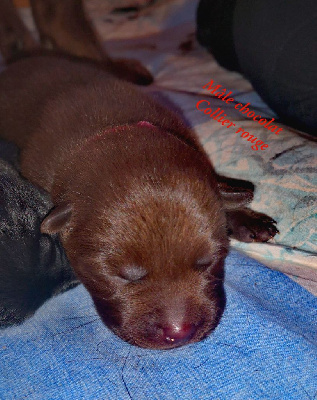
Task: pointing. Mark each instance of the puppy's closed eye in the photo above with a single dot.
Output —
(132, 273)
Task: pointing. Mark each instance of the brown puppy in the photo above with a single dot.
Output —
(137, 203)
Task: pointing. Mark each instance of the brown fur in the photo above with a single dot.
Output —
(137, 207)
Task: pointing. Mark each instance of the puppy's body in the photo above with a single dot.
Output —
(137, 205)
(78, 100)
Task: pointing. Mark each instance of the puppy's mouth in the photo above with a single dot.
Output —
(170, 338)
(164, 337)
(160, 328)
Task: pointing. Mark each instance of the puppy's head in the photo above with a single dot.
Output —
(150, 245)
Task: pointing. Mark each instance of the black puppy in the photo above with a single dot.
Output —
(33, 266)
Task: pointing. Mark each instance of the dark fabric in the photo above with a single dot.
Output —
(215, 30)
(33, 267)
(274, 45)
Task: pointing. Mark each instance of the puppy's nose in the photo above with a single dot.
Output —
(178, 333)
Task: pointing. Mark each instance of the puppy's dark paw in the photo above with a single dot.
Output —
(250, 226)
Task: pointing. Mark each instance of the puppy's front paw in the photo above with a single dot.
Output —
(250, 226)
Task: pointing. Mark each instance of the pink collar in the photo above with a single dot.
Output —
(98, 136)
(146, 124)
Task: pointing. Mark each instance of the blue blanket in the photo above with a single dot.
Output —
(264, 348)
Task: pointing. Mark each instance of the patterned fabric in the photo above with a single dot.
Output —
(265, 347)
(162, 37)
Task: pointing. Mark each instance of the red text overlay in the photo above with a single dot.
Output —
(219, 115)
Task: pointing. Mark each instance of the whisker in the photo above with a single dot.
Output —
(72, 329)
(79, 316)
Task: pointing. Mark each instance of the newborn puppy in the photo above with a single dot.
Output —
(137, 204)
(33, 266)
(140, 211)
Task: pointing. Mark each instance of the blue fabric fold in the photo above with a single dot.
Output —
(265, 347)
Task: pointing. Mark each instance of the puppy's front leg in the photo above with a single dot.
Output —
(243, 223)
(63, 25)
(14, 36)
(235, 193)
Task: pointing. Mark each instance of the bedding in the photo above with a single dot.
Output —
(162, 37)
(265, 347)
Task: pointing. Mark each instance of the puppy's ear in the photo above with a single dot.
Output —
(57, 219)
